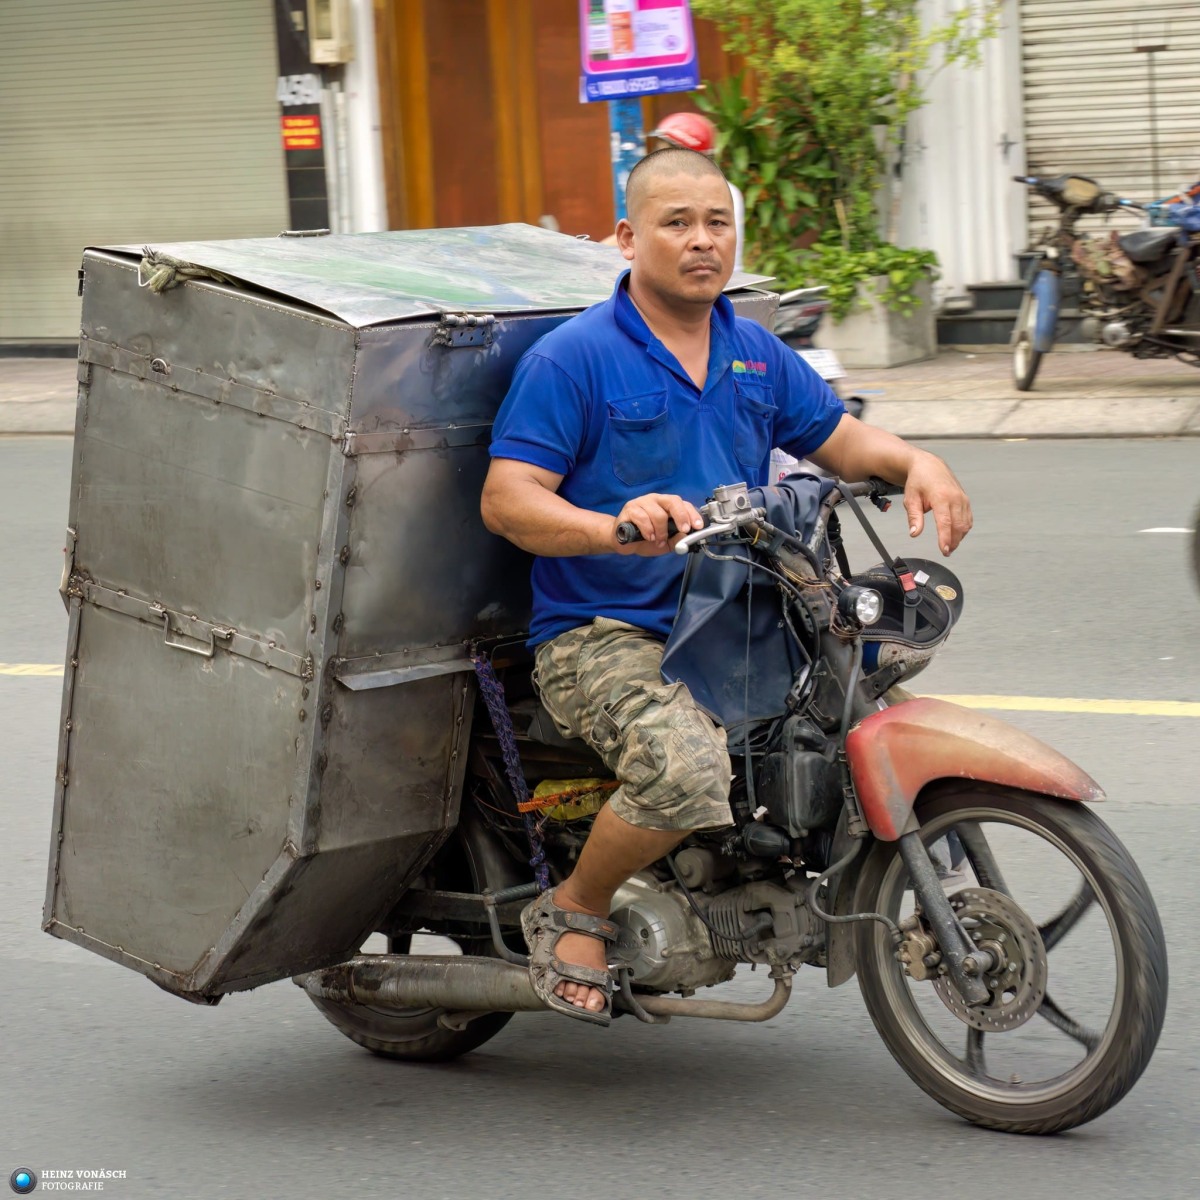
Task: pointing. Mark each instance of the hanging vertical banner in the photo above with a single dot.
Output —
(636, 48)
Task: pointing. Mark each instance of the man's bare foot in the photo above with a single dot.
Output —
(582, 951)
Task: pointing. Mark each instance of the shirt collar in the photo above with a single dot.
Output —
(631, 322)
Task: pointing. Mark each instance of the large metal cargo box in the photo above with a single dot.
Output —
(275, 570)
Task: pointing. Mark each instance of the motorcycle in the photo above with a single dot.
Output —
(1196, 548)
(845, 792)
(1138, 292)
(797, 320)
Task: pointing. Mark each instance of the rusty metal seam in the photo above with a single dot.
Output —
(152, 613)
(429, 437)
(200, 385)
(241, 295)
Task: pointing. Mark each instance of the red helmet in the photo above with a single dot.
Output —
(689, 130)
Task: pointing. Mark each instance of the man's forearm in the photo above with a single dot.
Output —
(857, 452)
(542, 522)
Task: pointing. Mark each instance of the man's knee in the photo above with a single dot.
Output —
(673, 766)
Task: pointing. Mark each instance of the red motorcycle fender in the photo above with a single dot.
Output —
(896, 752)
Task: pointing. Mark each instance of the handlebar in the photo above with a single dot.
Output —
(628, 532)
(730, 512)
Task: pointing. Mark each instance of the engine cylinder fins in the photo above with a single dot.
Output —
(738, 939)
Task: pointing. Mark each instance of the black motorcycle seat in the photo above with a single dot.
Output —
(1147, 245)
(541, 728)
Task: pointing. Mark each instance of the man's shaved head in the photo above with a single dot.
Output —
(674, 160)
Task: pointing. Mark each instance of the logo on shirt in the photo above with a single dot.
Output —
(757, 370)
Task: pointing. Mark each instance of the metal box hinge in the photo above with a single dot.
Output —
(464, 329)
(66, 587)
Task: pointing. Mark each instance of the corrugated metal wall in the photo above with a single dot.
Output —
(955, 191)
(1087, 95)
(127, 121)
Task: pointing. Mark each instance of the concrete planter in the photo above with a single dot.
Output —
(877, 337)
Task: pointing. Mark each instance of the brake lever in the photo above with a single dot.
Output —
(684, 545)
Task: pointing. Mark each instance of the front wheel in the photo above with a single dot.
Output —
(1196, 549)
(1026, 360)
(1078, 980)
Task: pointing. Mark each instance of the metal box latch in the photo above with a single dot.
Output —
(207, 639)
(464, 329)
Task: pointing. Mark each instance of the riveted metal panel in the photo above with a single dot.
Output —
(176, 793)
(208, 510)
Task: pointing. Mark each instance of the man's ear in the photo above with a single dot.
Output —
(625, 239)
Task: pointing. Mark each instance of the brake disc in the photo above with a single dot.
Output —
(1017, 980)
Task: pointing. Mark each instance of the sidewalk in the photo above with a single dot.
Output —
(1086, 393)
(1077, 393)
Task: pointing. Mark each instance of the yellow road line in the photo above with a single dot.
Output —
(1052, 704)
(1120, 708)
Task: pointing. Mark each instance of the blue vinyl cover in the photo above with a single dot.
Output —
(707, 647)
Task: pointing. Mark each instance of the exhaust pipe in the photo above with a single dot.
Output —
(459, 983)
(467, 984)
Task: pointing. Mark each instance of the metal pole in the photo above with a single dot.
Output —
(628, 145)
(1146, 42)
(1153, 124)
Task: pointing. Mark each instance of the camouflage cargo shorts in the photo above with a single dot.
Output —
(601, 682)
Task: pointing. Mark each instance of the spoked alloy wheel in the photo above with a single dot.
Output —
(1079, 988)
(1026, 360)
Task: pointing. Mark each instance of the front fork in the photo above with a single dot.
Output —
(965, 962)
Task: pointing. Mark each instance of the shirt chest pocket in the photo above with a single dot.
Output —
(643, 438)
(753, 422)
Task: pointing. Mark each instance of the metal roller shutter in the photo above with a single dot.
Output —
(1087, 96)
(128, 121)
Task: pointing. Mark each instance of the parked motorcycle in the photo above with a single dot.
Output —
(1139, 292)
(797, 320)
(1028, 1000)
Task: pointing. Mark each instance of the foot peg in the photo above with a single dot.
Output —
(524, 891)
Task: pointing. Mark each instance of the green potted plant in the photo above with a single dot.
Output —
(834, 84)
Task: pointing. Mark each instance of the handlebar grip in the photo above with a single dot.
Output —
(628, 532)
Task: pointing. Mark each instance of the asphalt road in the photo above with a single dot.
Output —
(1065, 598)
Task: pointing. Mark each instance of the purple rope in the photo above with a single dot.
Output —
(493, 696)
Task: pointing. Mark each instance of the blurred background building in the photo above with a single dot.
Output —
(132, 121)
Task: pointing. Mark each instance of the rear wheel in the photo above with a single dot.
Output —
(1026, 360)
(1079, 981)
(468, 863)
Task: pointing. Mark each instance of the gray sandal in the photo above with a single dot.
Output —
(543, 923)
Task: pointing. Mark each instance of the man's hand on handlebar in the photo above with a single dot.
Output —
(660, 519)
(931, 487)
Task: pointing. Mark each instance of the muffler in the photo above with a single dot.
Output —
(460, 983)
(467, 984)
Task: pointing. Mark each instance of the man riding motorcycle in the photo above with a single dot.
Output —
(630, 412)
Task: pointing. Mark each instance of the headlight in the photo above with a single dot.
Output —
(862, 605)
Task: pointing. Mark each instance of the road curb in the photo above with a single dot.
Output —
(38, 417)
(1037, 417)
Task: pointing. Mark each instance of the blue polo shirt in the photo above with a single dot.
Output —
(602, 402)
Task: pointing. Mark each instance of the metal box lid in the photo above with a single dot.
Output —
(375, 278)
